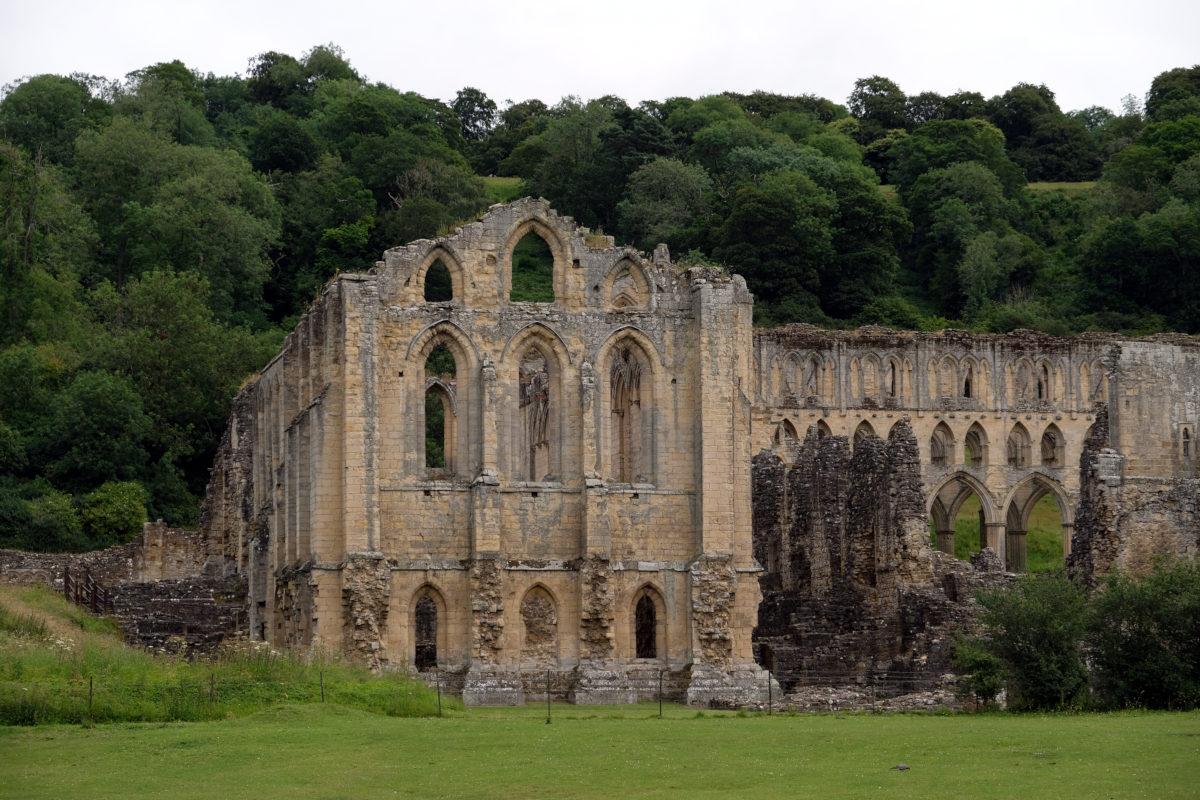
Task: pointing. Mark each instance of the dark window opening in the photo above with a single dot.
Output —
(438, 287)
(425, 657)
(645, 623)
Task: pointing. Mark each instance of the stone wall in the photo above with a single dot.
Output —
(852, 591)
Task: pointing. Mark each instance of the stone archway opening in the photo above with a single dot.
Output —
(1037, 538)
(438, 286)
(956, 523)
(440, 416)
(532, 270)
(425, 619)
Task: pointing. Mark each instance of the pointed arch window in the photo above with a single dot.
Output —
(630, 442)
(425, 625)
(646, 628)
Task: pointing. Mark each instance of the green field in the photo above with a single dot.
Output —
(503, 190)
(1043, 541)
(330, 752)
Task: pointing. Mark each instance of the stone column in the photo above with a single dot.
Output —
(1068, 530)
(945, 541)
(1014, 560)
(994, 538)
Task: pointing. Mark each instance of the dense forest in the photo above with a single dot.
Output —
(162, 232)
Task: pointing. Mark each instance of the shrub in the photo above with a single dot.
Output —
(1036, 629)
(1144, 638)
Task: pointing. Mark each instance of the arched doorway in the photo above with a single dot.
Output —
(1038, 526)
(958, 517)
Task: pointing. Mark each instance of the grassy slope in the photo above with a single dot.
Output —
(74, 668)
(331, 752)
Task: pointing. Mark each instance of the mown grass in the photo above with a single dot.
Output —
(316, 751)
(503, 190)
(1043, 541)
(69, 667)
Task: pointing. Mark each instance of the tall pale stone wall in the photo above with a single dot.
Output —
(586, 517)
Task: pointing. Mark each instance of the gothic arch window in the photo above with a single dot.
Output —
(870, 379)
(947, 378)
(823, 429)
(538, 455)
(812, 380)
(439, 288)
(1052, 446)
(968, 381)
(891, 379)
(941, 446)
(1025, 383)
(631, 432)
(441, 417)
(532, 270)
(863, 430)
(539, 615)
(425, 632)
(785, 434)
(974, 446)
(649, 639)
(1017, 447)
(1043, 382)
(627, 286)
(1185, 438)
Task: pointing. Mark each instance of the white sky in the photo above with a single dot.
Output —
(1088, 52)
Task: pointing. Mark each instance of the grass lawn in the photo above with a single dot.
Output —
(327, 752)
(503, 190)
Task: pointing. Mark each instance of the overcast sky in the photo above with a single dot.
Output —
(1088, 53)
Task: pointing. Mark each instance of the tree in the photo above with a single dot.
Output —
(941, 143)
(476, 111)
(98, 432)
(666, 201)
(114, 513)
(778, 234)
(1144, 638)
(282, 143)
(45, 243)
(1036, 628)
(45, 114)
(1173, 94)
(169, 98)
(878, 105)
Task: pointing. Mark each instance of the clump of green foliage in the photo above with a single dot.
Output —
(1134, 641)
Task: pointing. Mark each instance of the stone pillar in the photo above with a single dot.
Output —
(1014, 560)
(945, 541)
(1068, 530)
(995, 539)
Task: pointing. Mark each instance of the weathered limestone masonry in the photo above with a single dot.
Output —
(1103, 424)
(591, 516)
(160, 592)
(1003, 417)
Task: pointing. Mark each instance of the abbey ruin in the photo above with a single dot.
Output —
(628, 480)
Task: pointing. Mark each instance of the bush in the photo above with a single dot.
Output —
(1144, 638)
(114, 513)
(1036, 629)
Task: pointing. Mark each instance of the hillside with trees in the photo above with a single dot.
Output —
(161, 233)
